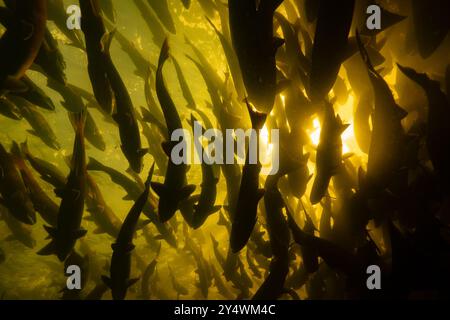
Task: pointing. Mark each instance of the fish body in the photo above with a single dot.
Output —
(42, 203)
(119, 280)
(13, 190)
(329, 153)
(19, 231)
(94, 29)
(244, 218)
(251, 25)
(175, 188)
(22, 40)
(68, 229)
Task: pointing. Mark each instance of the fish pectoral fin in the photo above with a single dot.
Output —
(132, 281)
(98, 231)
(167, 147)
(48, 249)
(128, 197)
(59, 192)
(107, 281)
(32, 132)
(142, 152)
(186, 191)
(79, 233)
(52, 232)
(106, 41)
(214, 210)
(14, 85)
(159, 188)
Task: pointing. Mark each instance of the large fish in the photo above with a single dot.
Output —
(40, 127)
(200, 207)
(42, 203)
(388, 137)
(13, 190)
(244, 218)
(124, 113)
(438, 131)
(175, 188)
(329, 153)
(330, 45)
(68, 229)
(251, 25)
(92, 132)
(120, 268)
(94, 30)
(21, 42)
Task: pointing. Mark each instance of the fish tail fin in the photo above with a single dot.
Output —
(107, 40)
(319, 188)
(94, 165)
(150, 176)
(257, 118)
(164, 54)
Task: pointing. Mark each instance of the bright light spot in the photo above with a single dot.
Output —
(283, 99)
(265, 148)
(315, 134)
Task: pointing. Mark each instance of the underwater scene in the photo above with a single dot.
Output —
(224, 149)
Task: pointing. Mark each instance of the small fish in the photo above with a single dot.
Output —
(13, 191)
(244, 218)
(40, 127)
(220, 284)
(161, 8)
(57, 14)
(42, 203)
(72, 102)
(148, 273)
(330, 46)
(50, 60)
(175, 188)
(68, 229)
(9, 109)
(19, 231)
(251, 26)
(94, 29)
(329, 153)
(177, 286)
(102, 214)
(120, 268)
(20, 43)
(36, 95)
(151, 19)
(124, 114)
(47, 171)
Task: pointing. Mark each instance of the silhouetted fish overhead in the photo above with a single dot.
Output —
(126, 149)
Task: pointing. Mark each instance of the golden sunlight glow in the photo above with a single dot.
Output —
(265, 148)
(315, 133)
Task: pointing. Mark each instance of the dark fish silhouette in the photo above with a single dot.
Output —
(94, 29)
(36, 95)
(108, 9)
(151, 19)
(19, 231)
(92, 132)
(244, 218)
(9, 109)
(13, 191)
(438, 131)
(330, 45)
(175, 188)
(47, 171)
(42, 203)
(329, 153)
(120, 268)
(251, 26)
(21, 42)
(124, 113)
(161, 8)
(68, 229)
(40, 127)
